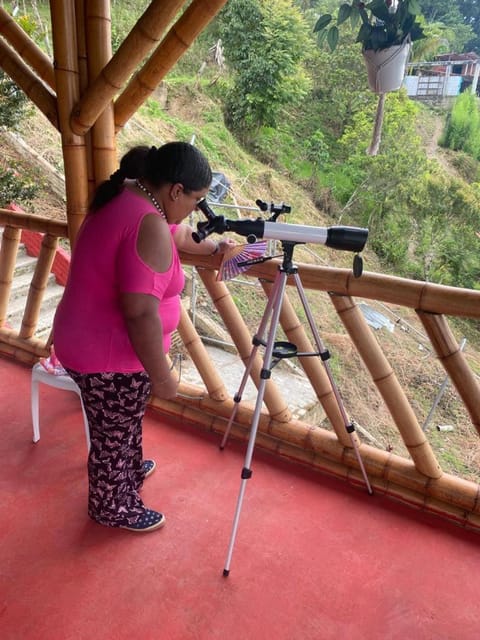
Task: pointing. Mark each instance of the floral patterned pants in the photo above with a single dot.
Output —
(115, 405)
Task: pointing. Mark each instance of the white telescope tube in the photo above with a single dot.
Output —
(295, 233)
(344, 238)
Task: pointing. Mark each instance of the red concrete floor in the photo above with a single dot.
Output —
(314, 558)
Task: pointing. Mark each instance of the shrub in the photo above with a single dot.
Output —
(14, 188)
(463, 126)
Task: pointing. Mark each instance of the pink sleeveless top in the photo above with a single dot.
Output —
(89, 331)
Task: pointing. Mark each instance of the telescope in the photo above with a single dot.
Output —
(336, 237)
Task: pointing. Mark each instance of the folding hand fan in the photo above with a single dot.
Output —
(239, 258)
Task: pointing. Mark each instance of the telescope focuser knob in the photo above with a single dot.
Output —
(357, 265)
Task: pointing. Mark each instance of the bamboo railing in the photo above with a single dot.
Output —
(22, 345)
(418, 481)
(88, 95)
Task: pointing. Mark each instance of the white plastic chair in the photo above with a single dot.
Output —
(39, 374)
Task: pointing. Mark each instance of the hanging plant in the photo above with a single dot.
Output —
(382, 23)
(386, 30)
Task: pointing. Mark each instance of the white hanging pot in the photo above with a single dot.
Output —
(386, 67)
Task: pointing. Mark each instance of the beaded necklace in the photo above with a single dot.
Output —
(154, 201)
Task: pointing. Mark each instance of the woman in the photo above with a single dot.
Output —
(113, 327)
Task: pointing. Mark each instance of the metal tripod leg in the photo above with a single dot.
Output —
(273, 307)
(258, 340)
(324, 354)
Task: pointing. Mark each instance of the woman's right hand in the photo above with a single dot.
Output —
(144, 327)
(166, 389)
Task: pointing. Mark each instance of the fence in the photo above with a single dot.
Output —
(418, 480)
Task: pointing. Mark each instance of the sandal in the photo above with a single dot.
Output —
(149, 467)
(149, 521)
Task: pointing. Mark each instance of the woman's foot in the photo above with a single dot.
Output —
(149, 467)
(148, 521)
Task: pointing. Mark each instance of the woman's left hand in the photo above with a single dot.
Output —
(224, 244)
(184, 242)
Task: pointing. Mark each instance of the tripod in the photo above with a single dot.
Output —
(274, 352)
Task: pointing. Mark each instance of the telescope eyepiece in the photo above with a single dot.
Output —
(204, 207)
(213, 223)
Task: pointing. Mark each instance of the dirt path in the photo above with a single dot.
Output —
(433, 151)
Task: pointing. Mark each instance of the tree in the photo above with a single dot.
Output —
(13, 103)
(265, 43)
(14, 185)
(458, 14)
(340, 88)
(446, 11)
(446, 20)
(470, 10)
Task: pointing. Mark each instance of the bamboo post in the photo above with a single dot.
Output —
(214, 384)
(313, 368)
(275, 403)
(82, 54)
(38, 286)
(38, 93)
(83, 81)
(454, 362)
(388, 386)
(8, 258)
(26, 48)
(234, 324)
(110, 79)
(67, 83)
(195, 18)
(98, 42)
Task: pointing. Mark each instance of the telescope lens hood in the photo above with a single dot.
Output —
(347, 238)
